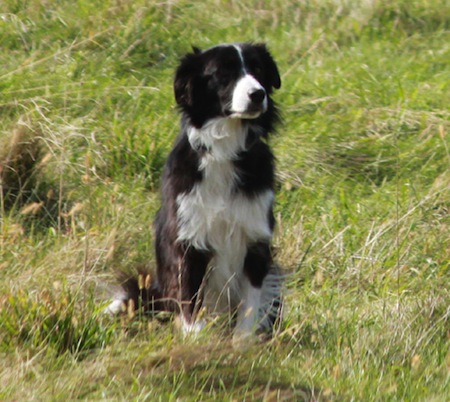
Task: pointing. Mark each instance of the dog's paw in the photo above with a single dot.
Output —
(115, 307)
(190, 328)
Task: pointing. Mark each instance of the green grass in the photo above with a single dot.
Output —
(87, 117)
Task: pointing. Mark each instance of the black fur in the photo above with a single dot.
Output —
(203, 84)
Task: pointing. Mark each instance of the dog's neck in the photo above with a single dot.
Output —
(221, 138)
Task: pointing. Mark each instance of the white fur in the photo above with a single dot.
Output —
(213, 216)
(239, 50)
(192, 328)
(222, 137)
(248, 310)
(241, 102)
(116, 306)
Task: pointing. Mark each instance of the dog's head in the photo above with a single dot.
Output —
(231, 80)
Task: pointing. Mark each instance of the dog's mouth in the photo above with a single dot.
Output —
(252, 112)
(245, 115)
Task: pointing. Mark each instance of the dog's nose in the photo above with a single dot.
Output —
(257, 96)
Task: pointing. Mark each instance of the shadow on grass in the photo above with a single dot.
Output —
(215, 368)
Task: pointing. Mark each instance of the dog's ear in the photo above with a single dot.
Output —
(272, 69)
(187, 71)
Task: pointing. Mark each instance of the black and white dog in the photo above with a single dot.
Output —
(214, 229)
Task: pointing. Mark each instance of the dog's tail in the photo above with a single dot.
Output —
(139, 292)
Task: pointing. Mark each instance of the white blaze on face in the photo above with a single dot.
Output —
(241, 103)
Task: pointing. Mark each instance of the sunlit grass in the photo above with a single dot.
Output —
(363, 230)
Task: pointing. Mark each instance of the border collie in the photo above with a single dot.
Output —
(214, 229)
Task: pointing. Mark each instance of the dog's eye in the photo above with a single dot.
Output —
(257, 70)
(255, 67)
(224, 78)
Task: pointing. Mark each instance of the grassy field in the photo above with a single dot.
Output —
(87, 117)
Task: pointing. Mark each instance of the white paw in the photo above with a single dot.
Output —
(193, 327)
(115, 307)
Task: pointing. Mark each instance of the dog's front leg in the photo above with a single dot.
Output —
(247, 315)
(191, 273)
(256, 266)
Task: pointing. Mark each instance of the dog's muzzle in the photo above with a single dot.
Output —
(249, 98)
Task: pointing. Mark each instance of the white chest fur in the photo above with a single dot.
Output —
(213, 216)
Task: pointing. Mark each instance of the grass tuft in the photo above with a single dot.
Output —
(19, 156)
(51, 320)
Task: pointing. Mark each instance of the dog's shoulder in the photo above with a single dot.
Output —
(181, 171)
(256, 167)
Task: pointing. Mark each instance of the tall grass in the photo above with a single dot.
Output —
(363, 231)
